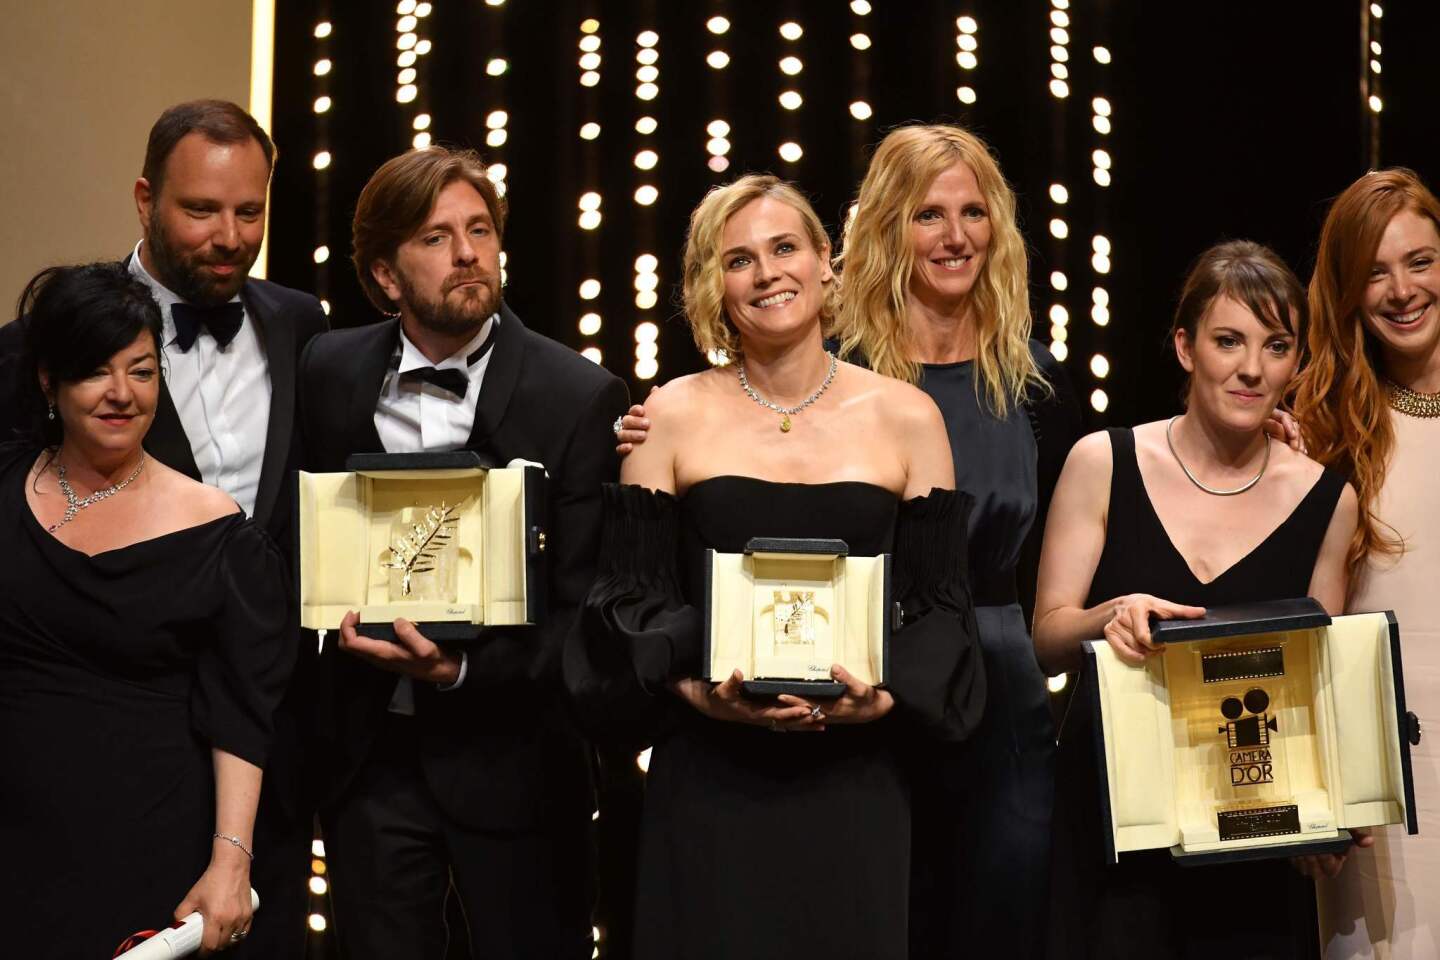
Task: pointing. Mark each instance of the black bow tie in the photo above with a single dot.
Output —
(223, 322)
(450, 379)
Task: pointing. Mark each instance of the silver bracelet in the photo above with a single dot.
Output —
(236, 841)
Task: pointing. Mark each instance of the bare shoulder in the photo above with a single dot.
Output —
(1091, 455)
(188, 501)
(1294, 465)
(900, 402)
(681, 397)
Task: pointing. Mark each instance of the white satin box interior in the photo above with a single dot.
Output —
(785, 610)
(437, 538)
(1261, 730)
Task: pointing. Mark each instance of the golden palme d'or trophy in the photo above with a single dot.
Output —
(423, 555)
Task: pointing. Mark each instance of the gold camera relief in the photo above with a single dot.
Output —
(1247, 690)
(424, 554)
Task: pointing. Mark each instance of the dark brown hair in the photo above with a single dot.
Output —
(398, 198)
(218, 121)
(1253, 276)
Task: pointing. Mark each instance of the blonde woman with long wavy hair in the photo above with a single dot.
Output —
(1369, 404)
(934, 291)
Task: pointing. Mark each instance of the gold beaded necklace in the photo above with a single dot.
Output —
(1412, 403)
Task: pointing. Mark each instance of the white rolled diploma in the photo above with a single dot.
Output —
(180, 940)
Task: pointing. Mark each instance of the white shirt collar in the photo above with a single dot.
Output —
(412, 359)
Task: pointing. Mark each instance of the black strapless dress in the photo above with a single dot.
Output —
(756, 844)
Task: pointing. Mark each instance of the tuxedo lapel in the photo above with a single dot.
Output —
(371, 366)
(501, 375)
(278, 338)
(167, 441)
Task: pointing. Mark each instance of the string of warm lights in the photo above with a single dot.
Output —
(967, 58)
(647, 158)
(410, 17)
(320, 161)
(1101, 121)
(319, 885)
(1371, 15)
(791, 100)
(590, 216)
(717, 131)
(1059, 314)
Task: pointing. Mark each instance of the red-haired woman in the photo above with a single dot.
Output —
(1369, 405)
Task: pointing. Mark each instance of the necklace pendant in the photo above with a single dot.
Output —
(785, 423)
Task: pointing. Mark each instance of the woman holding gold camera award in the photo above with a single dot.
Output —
(1161, 521)
(776, 826)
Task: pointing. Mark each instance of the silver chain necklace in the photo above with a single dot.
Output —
(74, 504)
(1170, 440)
(786, 412)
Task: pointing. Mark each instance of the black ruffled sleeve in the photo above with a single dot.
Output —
(936, 673)
(635, 633)
(242, 673)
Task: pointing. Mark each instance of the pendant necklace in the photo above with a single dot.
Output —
(787, 412)
(74, 504)
(1170, 441)
(1412, 403)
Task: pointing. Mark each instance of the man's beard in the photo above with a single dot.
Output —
(181, 274)
(465, 314)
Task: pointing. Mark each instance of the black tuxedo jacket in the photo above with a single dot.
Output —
(285, 320)
(500, 752)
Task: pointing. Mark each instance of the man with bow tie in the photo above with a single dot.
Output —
(226, 413)
(448, 769)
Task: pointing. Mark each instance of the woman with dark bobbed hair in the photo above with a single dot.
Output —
(142, 646)
(1160, 521)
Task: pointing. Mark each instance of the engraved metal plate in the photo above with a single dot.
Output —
(1243, 664)
(1244, 824)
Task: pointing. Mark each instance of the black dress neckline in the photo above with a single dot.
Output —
(790, 483)
(45, 536)
(1154, 515)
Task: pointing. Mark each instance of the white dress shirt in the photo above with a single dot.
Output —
(413, 416)
(222, 395)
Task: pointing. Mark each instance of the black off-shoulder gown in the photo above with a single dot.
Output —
(118, 674)
(753, 843)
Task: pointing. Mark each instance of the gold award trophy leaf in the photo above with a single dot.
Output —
(416, 551)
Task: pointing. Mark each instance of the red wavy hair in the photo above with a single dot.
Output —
(1339, 397)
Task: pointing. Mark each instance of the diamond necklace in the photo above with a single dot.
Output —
(786, 412)
(74, 504)
(1170, 441)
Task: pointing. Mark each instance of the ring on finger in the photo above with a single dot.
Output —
(617, 426)
(815, 713)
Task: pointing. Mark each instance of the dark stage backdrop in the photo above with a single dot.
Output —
(1134, 134)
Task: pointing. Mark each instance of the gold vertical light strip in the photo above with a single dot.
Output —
(647, 158)
(262, 87)
(590, 217)
(967, 58)
(1059, 85)
(860, 109)
(412, 45)
(1102, 122)
(321, 159)
(791, 99)
(717, 131)
(1371, 16)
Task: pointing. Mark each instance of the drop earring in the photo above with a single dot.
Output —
(51, 405)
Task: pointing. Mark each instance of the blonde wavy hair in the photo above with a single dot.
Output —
(704, 274)
(1339, 397)
(878, 261)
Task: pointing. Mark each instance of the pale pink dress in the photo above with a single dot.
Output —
(1386, 902)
